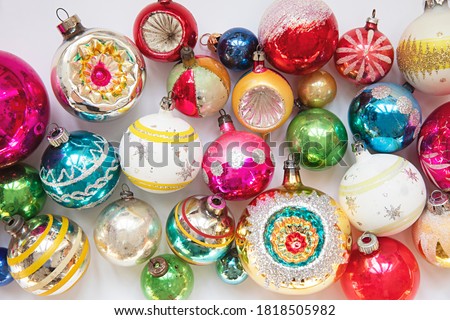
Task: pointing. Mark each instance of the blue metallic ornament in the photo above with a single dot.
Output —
(386, 116)
(229, 268)
(79, 170)
(5, 276)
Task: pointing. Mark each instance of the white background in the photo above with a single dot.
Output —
(28, 29)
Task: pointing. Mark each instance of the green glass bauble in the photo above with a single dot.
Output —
(167, 277)
(318, 138)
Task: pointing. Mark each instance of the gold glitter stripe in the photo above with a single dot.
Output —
(143, 128)
(156, 186)
(152, 138)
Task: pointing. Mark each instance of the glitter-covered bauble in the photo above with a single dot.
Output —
(318, 138)
(230, 269)
(262, 99)
(380, 269)
(238, 165)
(128, 231)
(161, 153)
(317, 89)
(364, 55)
(422, 54)
(234, 47)
(97, 75)
(381, 193)
(432, 147)
(79, 169)
(21, 192)
(298, 36)
(5, 276)
(200, 229)
(162, 28)
(386, 116)
(200, 85)
(430, 232)
(24, 109)
(294, 239)
(167, 277)
(48, 254)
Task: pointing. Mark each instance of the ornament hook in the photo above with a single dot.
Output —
(126, 193)
(58, 12)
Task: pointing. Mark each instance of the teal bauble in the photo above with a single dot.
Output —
(230, 269)
(79, 170)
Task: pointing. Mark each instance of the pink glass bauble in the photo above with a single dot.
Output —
(24, 109)
(433, 147)
(298, 36)
(238, 165)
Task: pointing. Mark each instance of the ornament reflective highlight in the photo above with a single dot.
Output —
(230, 269)
(386, 116)
(200, 229)
(5, 276)
(316, 89)
(381, 269)
(128, 231)
(48, 254)
(167, 277)
(24, 109)
(97, 74)
(21, 192)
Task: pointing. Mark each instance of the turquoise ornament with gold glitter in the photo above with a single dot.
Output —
(160, 153)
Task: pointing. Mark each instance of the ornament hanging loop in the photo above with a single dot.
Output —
(57, 136)
(126, 193)
(438, 203)
(58, 14)
(210, 40)
(368, 243)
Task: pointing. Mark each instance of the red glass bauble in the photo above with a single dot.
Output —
(298, 36)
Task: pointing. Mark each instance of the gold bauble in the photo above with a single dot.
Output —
(317, 89)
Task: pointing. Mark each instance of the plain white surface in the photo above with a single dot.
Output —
(28, 29)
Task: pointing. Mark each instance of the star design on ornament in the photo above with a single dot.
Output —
(351, 204)
(186, 172)
(393, 213)
(411, 175)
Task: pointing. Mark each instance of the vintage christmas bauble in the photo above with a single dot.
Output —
(161, 153)
(48, 254)
(386, 116)
(167, 277)
(381, 193)
(238, 165)
(24, 109)
(380, 269)
(230, 269)
(200, 229)
(21, 192)
(97, 75)
(318, 138)
(262, 99)
(128, 231)
(294, 239)
(5, 276)
(298, 36)
(162, 28)
(199, 85)
(364, 55)
(430, 232)
(79, 169)
(422, 54)
(317, 89)
(432, 147)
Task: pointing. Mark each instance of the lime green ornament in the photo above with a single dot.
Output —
(167, 277)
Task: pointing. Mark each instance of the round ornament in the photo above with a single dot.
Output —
(262, 99)
(433, 148)
(160, 153)
(48, 254)
(230, 269)
(238, 165)
(79, 170)
(430, 232)
(364, 55)
(381, 193)
(128, 231)
(167, 277)
(24, 109)
(199, 85)
(200, 229)
(318, 138)
(162, 28)
(381, 269)
(293, 239)
(234, 47)
(422, 54)
(288, 23)
(386, 116)
(21, 192)
(97, 74)
(5, 276)
(316, 89)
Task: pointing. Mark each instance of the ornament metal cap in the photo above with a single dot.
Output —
(290, 162)
(259, 56)
(69, 27)
(215, 205)
(438, 203)
(188, 57)
(430, 4)
(58, 136)
(167, 103)
(158, 267)
(16, 226)
(372, 19)
(224, 118)
(368, 243)
(126, 193)
(212, 41)
(358, 146)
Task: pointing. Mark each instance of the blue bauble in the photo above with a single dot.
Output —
(386, 116)
(79, 170)
(236, 47)
(5, 276)
(230, 269)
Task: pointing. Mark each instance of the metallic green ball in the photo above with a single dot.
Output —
(21, 192)
(318, 138)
